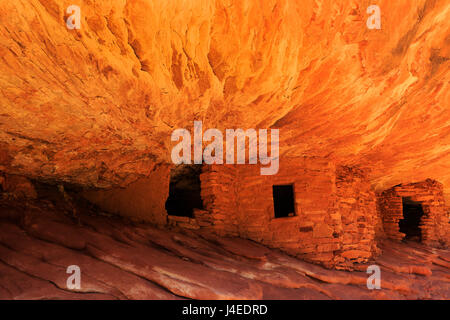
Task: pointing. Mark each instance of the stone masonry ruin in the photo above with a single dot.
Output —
(401, 221)
(313, 209)
(332, 219)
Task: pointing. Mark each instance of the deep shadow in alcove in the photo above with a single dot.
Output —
(184, 191)
(283, 200)
(410, 224)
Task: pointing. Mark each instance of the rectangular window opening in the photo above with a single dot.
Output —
(283, 201)
(184, 191)
(412, 215)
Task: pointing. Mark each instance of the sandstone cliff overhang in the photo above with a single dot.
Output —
(96, 106)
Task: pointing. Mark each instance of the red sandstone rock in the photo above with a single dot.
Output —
(192, 264)
(19, 187)
(359, 111)
(96, 106)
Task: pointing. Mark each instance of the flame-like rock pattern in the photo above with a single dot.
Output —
(96, 106)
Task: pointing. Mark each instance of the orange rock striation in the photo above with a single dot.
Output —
(123, 260)
(362, 116)
(96, 106)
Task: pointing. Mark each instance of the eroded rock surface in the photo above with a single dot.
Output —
(96, 106)
(39, 239)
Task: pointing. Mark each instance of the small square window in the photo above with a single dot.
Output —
(283, 201)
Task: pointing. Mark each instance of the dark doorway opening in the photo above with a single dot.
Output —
(184, 191)
(410, 224)
(283, 201)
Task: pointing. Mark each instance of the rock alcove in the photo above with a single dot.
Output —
(86, 118)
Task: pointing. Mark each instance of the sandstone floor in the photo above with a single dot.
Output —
(119, 259)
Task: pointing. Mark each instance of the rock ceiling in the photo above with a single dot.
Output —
(96, 106)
